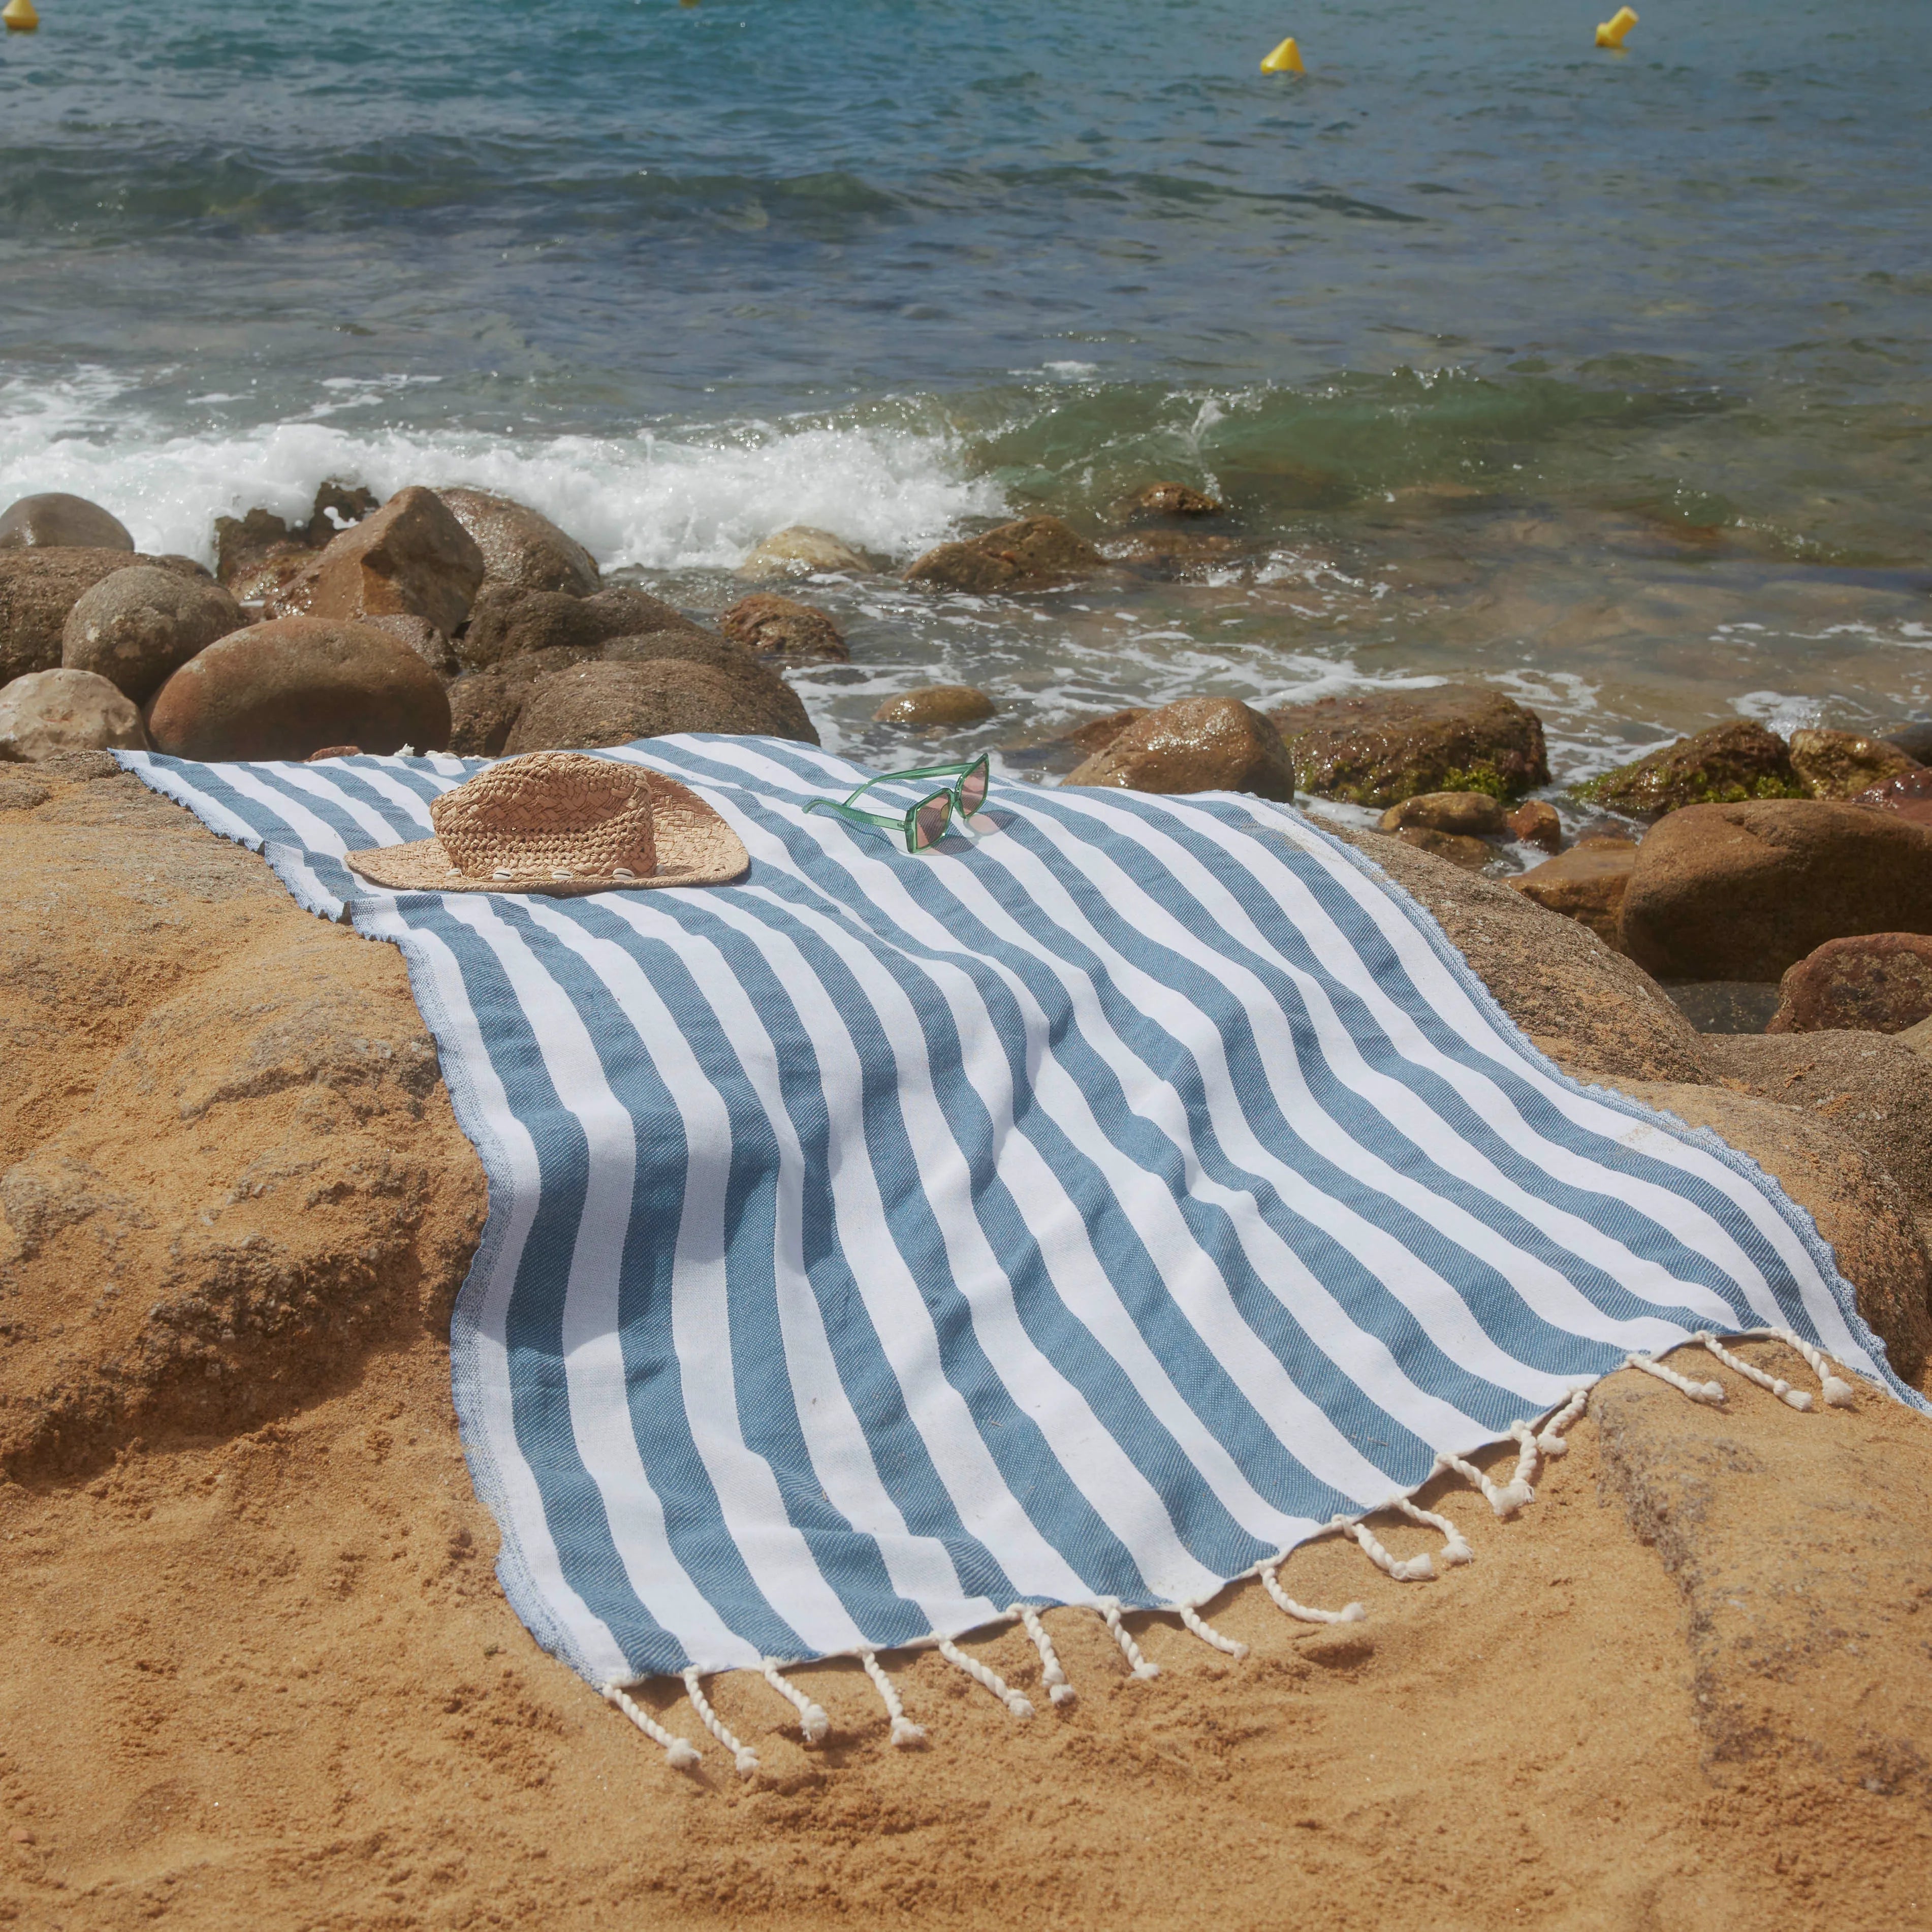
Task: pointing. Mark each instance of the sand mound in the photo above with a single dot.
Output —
(255, 1671)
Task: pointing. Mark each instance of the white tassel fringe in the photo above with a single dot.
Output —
(679, 1753)
(742, 1756)
(980, 1674)
(811, 1718)
(1206, 1632)
(1051, 1674)
(905, 1732)
(1124, 1637)
(1349, 1613)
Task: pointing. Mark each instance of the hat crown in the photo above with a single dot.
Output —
(548, 815)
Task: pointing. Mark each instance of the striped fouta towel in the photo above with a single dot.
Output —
(1087, 1212)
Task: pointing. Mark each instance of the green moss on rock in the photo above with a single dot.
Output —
(1728, 764)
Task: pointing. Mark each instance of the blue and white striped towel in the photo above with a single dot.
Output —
(1092, 1209)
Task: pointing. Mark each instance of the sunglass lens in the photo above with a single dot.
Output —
(973, 789)
(929, 824)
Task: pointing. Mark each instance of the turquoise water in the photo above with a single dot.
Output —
(1603, 377)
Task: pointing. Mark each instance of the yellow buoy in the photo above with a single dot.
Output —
(1286, 58)
(20, 16)
(1611, 33)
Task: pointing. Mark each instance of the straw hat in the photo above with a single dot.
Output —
(562, 822)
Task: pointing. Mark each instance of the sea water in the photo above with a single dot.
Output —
(1599, 378)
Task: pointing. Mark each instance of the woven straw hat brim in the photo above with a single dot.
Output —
(695, 848)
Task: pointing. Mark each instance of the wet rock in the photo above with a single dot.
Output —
(1909, 796)
(1172, 499)
(1726, 764)
(1097, 733)
(49, 712)
(1591, 1011)
(1471, 854)
(259, 553)
(936, 706)
(1742, 892)
(1914, 740)
(800, 550)
(39, 587)
(1876, 983)
(1873, 1088)
(1175, 553)
(57, 521)
(139, 625)
(287, 687)
(1587, 883)
(1200, 744)
(1470, 814)
(1377, 748)
(1031, 554)
(597, 704)
(425, 639)
(1841, 764)
(780, 626)
(508, 621)
(521, 547)
(411, 558)
(1535, 822)
(1861, 1211)
(337, 507)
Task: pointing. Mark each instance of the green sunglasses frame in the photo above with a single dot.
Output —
(906, 823)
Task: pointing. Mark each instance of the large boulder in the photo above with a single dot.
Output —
(57, 521)
(228, 1171)
(39, 587)
(1876, 982)
(801, 550)
(1873, 1089)
(521, 547)
(138, 627)
(1742, 892)
(1592, 1012)
(938, 707)
(1586, 882)
(1377, 748)
(1200, 744)
(598, 704)
(1861, 1212)
(1031, 554)
(295, 685)
(782, 627)
(411, 558)
(508, 621)
(1841, 764)
(49, 712)
(1726, 764)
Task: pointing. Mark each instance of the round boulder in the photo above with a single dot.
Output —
(800, 550)
(782, 627)
(138, 627)
(57, 520)
(1875, 983)
(594, 705)
(1032, 554)
(1468, 814)
(39, 587)
(939, 706)
(49, 712)
(1200, 744)
(288, 687)
(1841, 764)
(521, 547)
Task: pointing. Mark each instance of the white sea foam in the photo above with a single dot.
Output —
(700, 498)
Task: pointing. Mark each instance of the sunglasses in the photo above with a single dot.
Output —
(924, 823)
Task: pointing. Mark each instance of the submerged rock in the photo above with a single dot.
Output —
(1173, 499)
(937, 706)
(521, 546)
(1874, 982)
(1031, 554)
(1536, 822)
(411, 558)
(139, 626)
(49, 712)
(1841, 764)
(1727, 764)
(39, 587)
(800, 550)
(56, 520)
(1200, 744)
(289, 687)
(1377, 748)
(782, 627)
(508, 621)
(1742, 891)
(592, 705)
(1587, 883)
